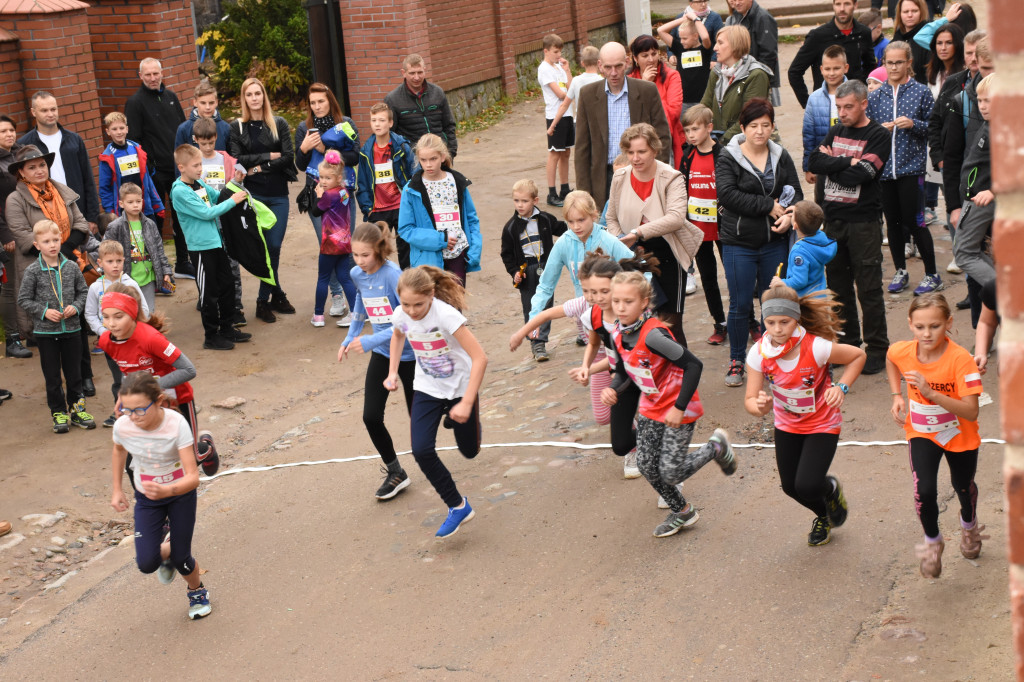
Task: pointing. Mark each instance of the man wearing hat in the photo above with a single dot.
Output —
(40, 197)
(71, 165)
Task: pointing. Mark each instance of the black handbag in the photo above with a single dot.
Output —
(306, 198)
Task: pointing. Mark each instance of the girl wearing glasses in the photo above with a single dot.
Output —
(137, 345)
(165, 480)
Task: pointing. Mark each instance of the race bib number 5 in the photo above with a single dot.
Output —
(428, 344)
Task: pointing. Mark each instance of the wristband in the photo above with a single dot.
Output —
(842, 387)
(898, 393)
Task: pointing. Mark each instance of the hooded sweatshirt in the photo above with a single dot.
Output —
(805, 271)
(184, 132)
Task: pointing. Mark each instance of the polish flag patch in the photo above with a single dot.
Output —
(972, 380)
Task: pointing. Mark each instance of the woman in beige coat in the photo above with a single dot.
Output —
(647, 209)
(25, 207)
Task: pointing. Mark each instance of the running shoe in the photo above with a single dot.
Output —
(820, 532)
(836, 503)
(540, 352)
(393, 484)
(755, 332)
(209, 460)
(910, 249)
(930, 216)
(875, 364)
(79, 417)
(96, 350)
(166, 289)
(218, 342)
(970, 540)
(198, 602)
(238, 319)
(339, 307)
(554, 200)
(317, 321)
(109, 422)
(900, 281)
(734, 377)
(929, 284)
(662, 504)
(580, 341)
(345, 321)
(61, 422)
(676, 521)
(964, 304)
(719, 336)
(184, 271)
(279, 303)
(726, 458)
(691, 283)
(165, 573)
(930, 554)
(629, 467)
(953, 268)
(456, 517)
(236, 335)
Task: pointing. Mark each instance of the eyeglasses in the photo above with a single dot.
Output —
(888, 64)
(137, 411)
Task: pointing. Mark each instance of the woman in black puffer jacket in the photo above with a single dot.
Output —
(756, 180)
(262, 143)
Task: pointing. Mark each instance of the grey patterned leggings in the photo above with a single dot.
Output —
(664, 457)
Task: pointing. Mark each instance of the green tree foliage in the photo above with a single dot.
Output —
(267, 39)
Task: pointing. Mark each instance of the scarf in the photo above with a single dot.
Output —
(323, 123)
(768, 350)
(53, 206)
(705, 13)
(635, 327)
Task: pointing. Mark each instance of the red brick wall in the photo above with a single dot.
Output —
(12, 90)
(56, 55)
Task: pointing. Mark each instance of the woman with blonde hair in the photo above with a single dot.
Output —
(736, 79)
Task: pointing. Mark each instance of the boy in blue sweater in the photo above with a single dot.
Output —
(124, 161)
(193, 204)
(805, 272)
(820, 114)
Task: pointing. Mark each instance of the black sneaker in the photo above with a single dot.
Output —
(580, 341)
(393, 484)
(279, 304)
(210, 460)
(238, 319)
(61, 422)
(874, 365)
(184, 271)
(554, 200)
(108, 423)
(263, 312)
(837, 507)
(236, 335)
(964, 304)
(540, 353)
(564, 193)
(218, 343)
(820, 532)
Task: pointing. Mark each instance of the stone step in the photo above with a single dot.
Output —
(803, 24)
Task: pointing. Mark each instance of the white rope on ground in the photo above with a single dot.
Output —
(550, 444)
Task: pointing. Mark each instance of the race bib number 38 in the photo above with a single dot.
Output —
(384, 172)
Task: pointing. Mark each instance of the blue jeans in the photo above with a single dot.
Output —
(275, 237)
(336, 289)
(334, 267)
(744, 269)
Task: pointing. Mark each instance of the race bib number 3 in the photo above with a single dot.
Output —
(378, 310)
(702, 210)
(128, 164)
(795, 400)
(931, 418)
(428, 344)
(384, 172)
(643, 378)
(447, 218)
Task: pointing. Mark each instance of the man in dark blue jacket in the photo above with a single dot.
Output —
(71, 161)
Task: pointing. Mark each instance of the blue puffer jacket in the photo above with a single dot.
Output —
(807, 260)
(817, 120)
(910, 147)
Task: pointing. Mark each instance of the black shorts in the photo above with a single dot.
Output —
(564, 137)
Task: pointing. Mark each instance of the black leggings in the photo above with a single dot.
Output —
(708, 268)
(621, 425)
(803, 460)
(925, 455)
(179, 512)
(375, 401)
(426, 416)
(903, 206)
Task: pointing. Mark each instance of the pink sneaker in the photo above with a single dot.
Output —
(930, 554)
(317, 321)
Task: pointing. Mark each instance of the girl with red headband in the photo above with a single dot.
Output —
(137, 345)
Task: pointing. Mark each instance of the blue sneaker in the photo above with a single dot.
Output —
(900, 281)
(929, 284)
(456, 517)
(198, 603)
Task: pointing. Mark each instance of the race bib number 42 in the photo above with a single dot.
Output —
(702, 210)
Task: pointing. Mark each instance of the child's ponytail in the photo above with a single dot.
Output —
(818, 310)
(427, 280)
(156, 320)
(643, 262)
(375, 235)
(332, 162)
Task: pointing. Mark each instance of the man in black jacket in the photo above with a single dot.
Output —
(842, 30)
(71, 159)
(154, 114)
(851, 158)
(420, 107)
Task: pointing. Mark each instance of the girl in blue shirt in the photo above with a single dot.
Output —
(376, 280)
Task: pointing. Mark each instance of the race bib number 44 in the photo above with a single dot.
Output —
(378, 309)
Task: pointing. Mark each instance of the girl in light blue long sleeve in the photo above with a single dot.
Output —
(376, 280)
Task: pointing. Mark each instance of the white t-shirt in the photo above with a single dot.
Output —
(214, 172)
(547, 74)
(442, 365)
(821, 348)
(577, 84)
(52, 143)
(155, 453)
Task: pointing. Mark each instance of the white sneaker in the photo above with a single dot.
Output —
(910, 250)
(629, 467)
(345, 321)
(662, 504)
(339, 307)
(317, 320)
(954, 268)
(885, 241)
(691, 283)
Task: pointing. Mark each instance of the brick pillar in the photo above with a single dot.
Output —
(503, 12)
(579, 23)
(1007, 37)
(56, 55)
(12, 89)
(374, 65)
